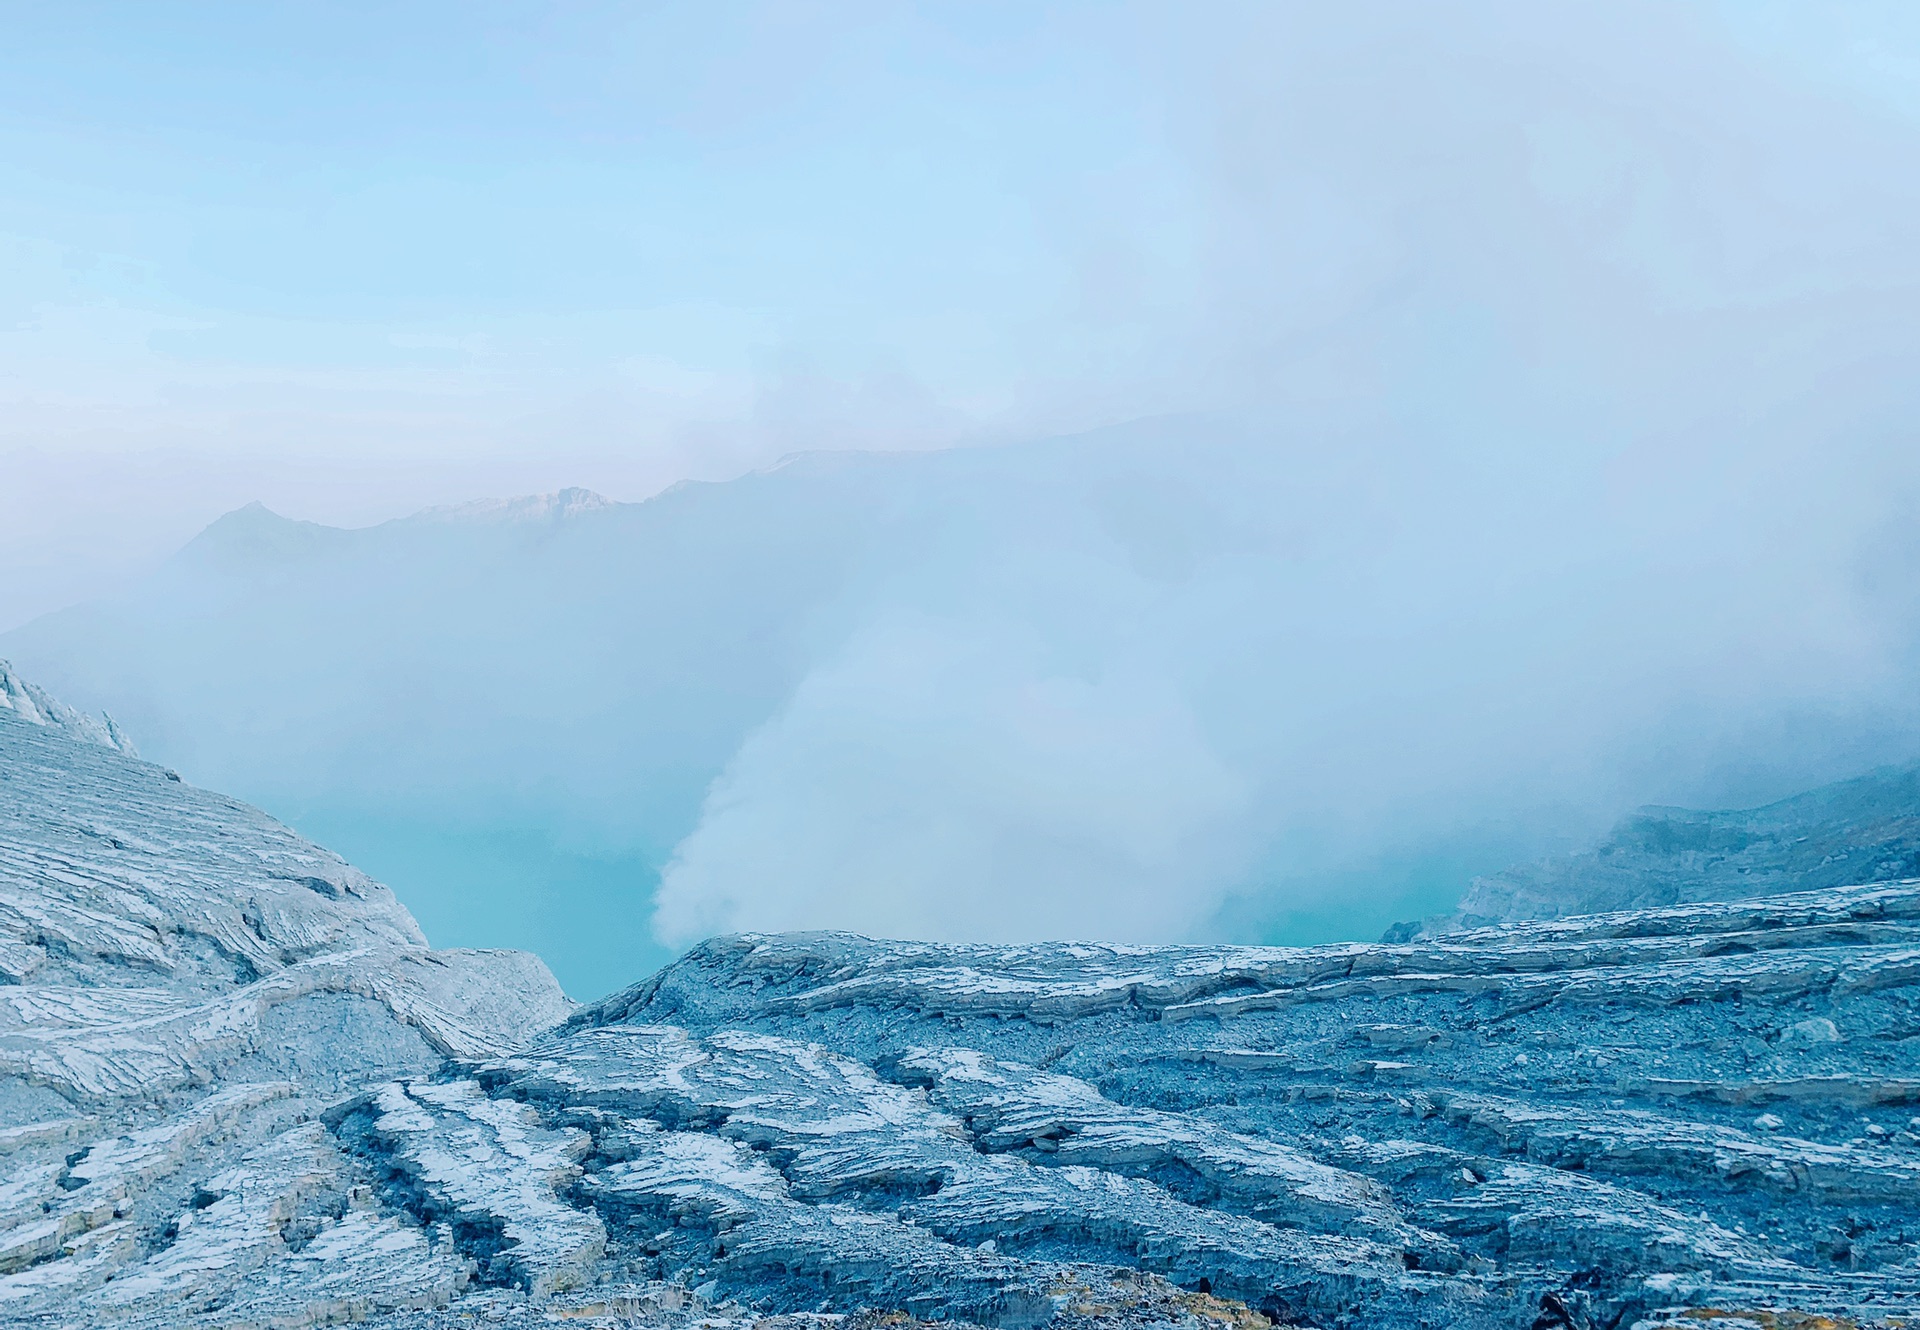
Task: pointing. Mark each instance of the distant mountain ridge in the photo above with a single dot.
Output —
(256, 534)
(1854, 831)
(556, 507)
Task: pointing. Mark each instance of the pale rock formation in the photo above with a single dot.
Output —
(37, 707)
(189, 985)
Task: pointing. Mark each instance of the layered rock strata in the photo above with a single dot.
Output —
(237, 1089)
(188, 986)
(1610, 1115)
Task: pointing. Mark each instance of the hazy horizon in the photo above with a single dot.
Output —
(1329, 446)
(352, 263)
(1144, 684)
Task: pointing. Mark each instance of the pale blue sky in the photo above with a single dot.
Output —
(373, 165)
(642, 191)
(356, 258)
(352, 259)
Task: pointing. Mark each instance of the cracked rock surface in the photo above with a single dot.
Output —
(237, 1089)
(189, 987)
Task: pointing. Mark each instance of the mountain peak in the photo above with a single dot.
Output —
(253, 535)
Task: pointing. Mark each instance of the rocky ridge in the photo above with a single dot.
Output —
(237, 1089)
(1862, 830)
(36, 706)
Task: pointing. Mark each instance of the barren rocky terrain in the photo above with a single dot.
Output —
(237, 1088)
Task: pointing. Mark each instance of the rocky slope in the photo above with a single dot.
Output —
(187, 985)
(239, 1090)
(1861, 830)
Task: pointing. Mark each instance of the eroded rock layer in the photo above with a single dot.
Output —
(236, 1089)
(1591, 1118)
(188, 986)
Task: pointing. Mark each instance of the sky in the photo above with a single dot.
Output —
(1578, 339)
(355, 259)
(352, 260)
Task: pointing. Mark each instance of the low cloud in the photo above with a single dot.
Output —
(936, 778)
